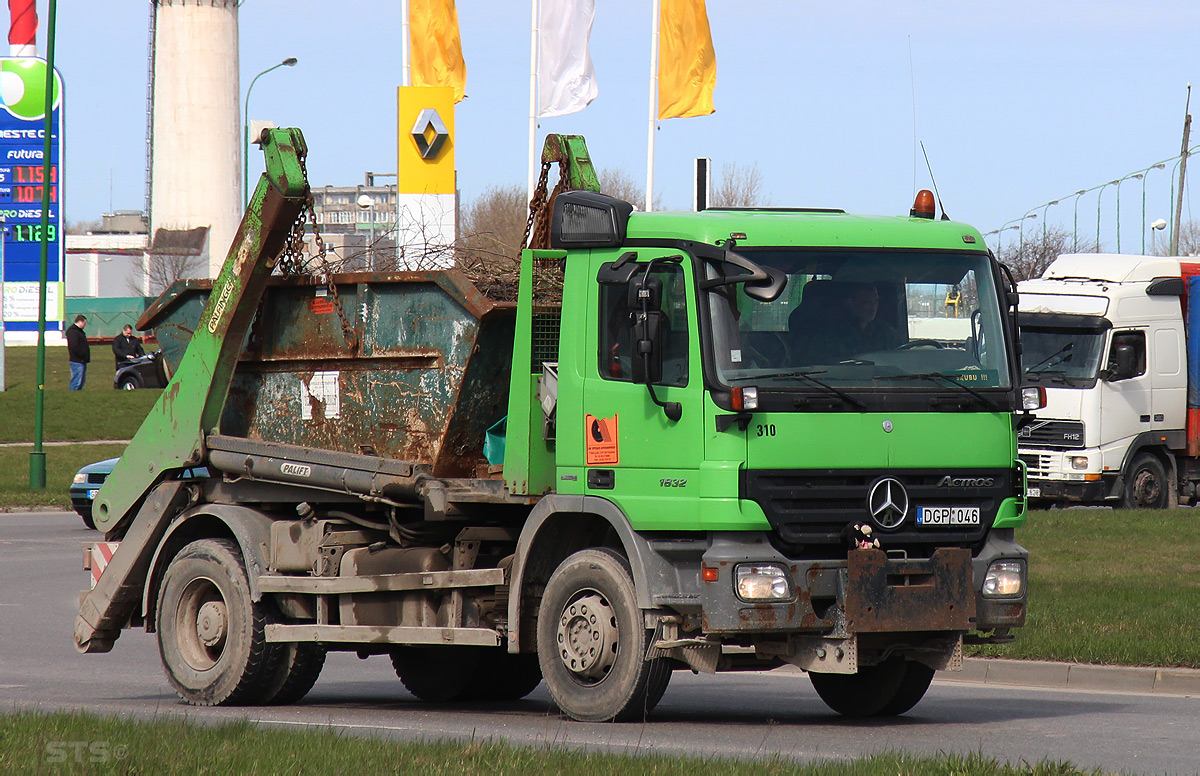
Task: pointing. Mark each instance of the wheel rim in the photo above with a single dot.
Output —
(1146, 488)
(128, 386)
(588, 637)
(202, 624)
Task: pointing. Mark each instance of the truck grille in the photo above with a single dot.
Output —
(1056, 434)
(809, 509)
(1037, 465)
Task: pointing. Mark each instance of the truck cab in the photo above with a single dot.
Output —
(1104, 336)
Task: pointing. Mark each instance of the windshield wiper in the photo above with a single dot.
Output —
(808, 375)
(932, 376)
(1049, 361)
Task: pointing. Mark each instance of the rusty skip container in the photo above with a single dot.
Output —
(415, 367)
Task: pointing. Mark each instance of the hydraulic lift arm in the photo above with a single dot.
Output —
(138, 500)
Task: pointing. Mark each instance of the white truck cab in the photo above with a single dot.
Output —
(1105, 335)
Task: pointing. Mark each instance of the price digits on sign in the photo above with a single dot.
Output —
(31, 232)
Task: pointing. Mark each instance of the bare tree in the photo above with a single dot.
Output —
(82, 227)
(740, 186)
(1028, 257)
(617, 183)
(1189, 240)
(165, 269)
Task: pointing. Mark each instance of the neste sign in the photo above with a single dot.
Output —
(22, 186)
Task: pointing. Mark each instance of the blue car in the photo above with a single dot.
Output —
(87, 481)
(85, 485)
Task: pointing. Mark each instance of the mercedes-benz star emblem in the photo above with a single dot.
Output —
(888, 503)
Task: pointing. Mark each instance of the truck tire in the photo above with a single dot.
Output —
(211, 635)
(917, 677)
(298, 670)
(592, 641)
(436, 674)
(864, 694)
(1146, 486)
(501, 676)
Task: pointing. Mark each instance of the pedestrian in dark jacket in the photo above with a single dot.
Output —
(126, 347)
(78, 352)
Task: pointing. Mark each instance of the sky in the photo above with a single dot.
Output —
(1017, 103)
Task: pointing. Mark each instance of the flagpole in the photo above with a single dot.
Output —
(533, 97)
(405, 43)
(653, 108)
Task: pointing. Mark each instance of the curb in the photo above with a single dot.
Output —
(1077, 676)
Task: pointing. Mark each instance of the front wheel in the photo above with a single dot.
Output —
(129, 383)
(1146, 487)
(592, 641)
(211, 635)
(864, 694)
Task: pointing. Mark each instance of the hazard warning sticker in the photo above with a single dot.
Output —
(601, 440)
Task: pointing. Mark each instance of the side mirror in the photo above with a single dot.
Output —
(647, 338)
(1123, 364)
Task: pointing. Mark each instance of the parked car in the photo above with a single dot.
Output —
(148, 371)
(86, 484)
(87, 481)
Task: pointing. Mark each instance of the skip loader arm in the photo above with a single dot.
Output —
(139, 499)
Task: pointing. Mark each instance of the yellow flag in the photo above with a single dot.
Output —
(687, 63)
(435, 51)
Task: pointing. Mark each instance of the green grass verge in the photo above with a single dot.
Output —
(36, 743)
(62, 461)
(1118, 587)
(96, 412)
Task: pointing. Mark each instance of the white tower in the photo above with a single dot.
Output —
(196, 150)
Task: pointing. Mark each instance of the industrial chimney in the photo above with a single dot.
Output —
(195, 146)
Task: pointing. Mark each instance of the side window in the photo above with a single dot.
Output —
(1135, 340)
(616, 336)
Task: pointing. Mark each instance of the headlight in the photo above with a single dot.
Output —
(1004, 578)
(79, 478)
(1033, 398)
(1079, 462)
(762, 582)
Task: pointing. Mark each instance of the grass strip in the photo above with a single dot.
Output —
(1111, 587)
(62, 461)
(78, 743)
(97, 412)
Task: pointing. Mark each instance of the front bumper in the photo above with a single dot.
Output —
(868, 592)
(1071, 491)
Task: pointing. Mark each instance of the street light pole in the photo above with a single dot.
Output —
(1099, 198)
(1159, 166)
(1075, 224)
(366, 203)
(289, 62)
(1127, 177)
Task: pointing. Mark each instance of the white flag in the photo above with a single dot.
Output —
(566, 81)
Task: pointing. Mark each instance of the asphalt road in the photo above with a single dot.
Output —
(735, 715)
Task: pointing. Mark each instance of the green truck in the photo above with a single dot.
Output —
(716, 441)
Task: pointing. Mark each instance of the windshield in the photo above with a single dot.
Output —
(1056, 355)
(863, 320)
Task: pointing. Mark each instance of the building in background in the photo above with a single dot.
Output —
(109, 261)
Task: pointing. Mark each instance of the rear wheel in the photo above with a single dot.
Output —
(298, 670)
(863, 694)
(211, 635)
(502, 676)
(592, 641)
(917, 677)
(1146, 487)
(436, 674)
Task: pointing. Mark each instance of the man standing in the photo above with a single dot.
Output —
(126, 347)
(78, 352)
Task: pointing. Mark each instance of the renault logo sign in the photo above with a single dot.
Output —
(888, 503)
(429, 133)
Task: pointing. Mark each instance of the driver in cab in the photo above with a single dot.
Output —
(852, 327)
